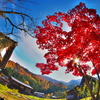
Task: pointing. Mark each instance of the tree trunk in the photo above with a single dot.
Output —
(97, 98)
(89, 87)
(87, 82)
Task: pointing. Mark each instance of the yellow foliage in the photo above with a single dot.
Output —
(26, 82)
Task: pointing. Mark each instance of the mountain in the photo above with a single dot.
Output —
(51, 79)
(38, 82)
(72, 82)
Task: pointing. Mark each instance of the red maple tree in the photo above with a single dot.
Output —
(73, 49)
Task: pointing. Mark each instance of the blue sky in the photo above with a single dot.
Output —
(27, 53)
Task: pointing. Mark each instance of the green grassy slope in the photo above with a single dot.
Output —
(12, 94)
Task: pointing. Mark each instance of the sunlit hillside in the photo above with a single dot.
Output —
(38, 82)
(12, 94)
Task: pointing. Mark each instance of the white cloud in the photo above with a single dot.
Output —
(31, 48)
(17, 59)
(66, 27)
(28, 54)
(61, 76)
(30, 65)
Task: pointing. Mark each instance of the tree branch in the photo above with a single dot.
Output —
(18, 13)
(98, 81)
(13, 25)
(86, 81)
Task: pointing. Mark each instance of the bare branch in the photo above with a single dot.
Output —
(13, 25)
(24, 23)
(18, 13)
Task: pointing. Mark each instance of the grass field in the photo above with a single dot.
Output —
(88, 98)
(12, 94)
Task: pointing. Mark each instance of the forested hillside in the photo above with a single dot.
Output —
(38, 82)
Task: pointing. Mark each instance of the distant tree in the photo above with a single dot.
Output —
(11, 72)
(54, 88)
(26, 82)
(73, 49)
(83, 91)
(60, 94)
(7, 71)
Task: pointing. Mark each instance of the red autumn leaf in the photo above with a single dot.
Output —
(93, 72)
(83, 41)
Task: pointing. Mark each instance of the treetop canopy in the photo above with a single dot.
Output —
(71, 49)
